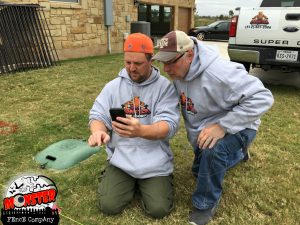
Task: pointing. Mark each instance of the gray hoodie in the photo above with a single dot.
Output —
(218, 91)
(151, 101)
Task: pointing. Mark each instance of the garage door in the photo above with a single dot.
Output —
(184, 19)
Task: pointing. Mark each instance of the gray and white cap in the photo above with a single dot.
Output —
(171, 44)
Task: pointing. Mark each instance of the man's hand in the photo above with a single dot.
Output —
(209, 136)
(130, 128)
(98, 138)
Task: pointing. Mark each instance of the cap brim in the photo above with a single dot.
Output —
(164, 56)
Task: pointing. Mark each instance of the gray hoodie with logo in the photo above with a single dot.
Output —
(151, 101)
(218, 91)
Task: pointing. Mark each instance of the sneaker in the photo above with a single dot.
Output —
(202, 217)
(246, 157)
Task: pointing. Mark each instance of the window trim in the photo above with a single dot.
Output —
(65, 1)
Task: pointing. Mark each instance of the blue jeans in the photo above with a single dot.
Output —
(210, 166)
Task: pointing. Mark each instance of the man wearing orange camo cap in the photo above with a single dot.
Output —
(139, 156)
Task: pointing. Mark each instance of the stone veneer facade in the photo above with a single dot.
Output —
(78, 30)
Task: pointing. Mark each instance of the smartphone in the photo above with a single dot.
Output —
(116, 112)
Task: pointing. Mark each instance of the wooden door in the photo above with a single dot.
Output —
(184, 19)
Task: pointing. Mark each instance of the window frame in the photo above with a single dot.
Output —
(280, 3)
(65, 1)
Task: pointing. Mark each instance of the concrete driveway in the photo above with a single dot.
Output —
(270, 76)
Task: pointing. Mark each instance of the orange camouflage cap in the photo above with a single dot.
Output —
(138, 42)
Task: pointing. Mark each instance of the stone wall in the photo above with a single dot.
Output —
(78, 30)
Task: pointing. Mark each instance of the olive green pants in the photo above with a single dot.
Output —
(117, 189)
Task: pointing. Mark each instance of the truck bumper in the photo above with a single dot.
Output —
(264, 57)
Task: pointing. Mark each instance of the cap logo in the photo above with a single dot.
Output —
(163, 43)
(130, 46)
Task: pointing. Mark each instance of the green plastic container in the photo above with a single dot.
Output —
(65, 154)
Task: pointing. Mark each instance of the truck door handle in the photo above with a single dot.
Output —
(292, 16)
(290, 29)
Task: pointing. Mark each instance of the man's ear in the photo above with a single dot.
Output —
(190, 54)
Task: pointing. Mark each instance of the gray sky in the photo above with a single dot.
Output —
(218, 7)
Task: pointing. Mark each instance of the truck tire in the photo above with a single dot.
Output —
(246, 65)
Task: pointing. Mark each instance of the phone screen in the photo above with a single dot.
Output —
(116, 112)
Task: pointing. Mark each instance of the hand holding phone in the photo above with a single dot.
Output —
(132, 126)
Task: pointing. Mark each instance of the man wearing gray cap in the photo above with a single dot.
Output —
(221, 106)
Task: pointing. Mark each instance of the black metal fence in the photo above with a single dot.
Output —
(25, 39)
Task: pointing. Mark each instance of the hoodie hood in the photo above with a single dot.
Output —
(203, 56)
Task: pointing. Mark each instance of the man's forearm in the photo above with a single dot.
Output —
(158, 130)
(97, 125)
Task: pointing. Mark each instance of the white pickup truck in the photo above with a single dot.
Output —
(267, 36)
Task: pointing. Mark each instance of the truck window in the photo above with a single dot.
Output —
(280, 3)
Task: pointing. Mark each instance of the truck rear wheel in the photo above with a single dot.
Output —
(246, 65)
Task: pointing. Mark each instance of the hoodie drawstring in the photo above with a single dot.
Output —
(186, 92)
(140, 90)
(132, 97)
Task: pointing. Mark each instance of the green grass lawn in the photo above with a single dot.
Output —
(49, 105)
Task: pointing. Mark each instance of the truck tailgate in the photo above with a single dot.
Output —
(269, 26)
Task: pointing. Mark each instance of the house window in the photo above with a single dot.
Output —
(154, 13)
(167, 14)
(159, 16)
(142, 13)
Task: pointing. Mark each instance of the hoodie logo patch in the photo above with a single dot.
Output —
(187, 104)
(136, 108)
